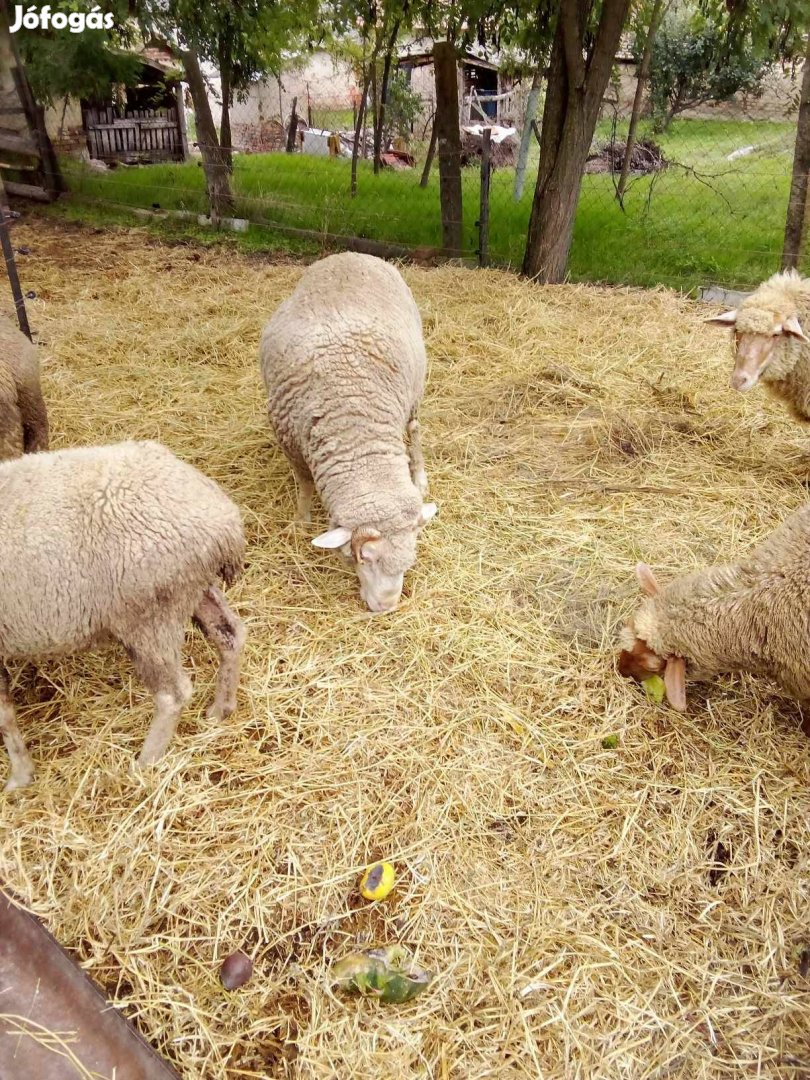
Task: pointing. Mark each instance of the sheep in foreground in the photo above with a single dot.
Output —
(770, 343)
(116, 543)
(23, 416)
(344, 364)
(751, 616)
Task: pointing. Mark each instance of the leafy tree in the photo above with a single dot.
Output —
(693, 61)
(648, 20)
(585, 38)
(402, 108)
(62, 65)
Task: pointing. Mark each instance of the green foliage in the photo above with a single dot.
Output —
(402, 109)
(677, 234)
(692, 64)
(86, 65)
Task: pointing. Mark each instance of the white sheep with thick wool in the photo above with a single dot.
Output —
(343, 360)
(121, 543)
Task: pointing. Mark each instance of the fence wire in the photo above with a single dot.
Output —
(705, 200)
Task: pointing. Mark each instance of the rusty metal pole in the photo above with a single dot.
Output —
(11, 265)
(483, 217)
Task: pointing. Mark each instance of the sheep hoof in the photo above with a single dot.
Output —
(219, 711)
(20, 780)
(148, 758)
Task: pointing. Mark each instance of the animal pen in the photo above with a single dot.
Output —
(602, 888)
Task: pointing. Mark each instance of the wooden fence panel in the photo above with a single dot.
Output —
(140, 135)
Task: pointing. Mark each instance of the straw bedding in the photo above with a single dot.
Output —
(638, 912)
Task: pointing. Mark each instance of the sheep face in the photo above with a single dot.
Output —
(381, 561)
(638, 661)
(756, 335)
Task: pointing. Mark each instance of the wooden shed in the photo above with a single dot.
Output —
(140, 123)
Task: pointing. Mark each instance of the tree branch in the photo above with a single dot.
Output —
(572, 43)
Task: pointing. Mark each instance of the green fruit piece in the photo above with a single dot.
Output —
(386, 974)
(654, 688)
(610, 742)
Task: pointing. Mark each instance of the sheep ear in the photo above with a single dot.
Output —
(335, 538)
(646, 579)
(675, 682)
(728, 318)
(427, 513)
(793, 328)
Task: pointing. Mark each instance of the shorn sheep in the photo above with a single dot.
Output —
(344, 364)
(116, 543)
(23, 416)
(750, 616)
(770, 343)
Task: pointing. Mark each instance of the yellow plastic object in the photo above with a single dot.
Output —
(377, 881)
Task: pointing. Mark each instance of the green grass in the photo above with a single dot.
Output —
(702, 219)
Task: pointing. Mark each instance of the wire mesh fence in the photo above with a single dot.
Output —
(705, 200)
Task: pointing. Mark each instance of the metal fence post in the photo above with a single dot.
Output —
(483, 217)
(11, 266)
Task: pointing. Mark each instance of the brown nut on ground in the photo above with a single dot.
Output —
(236, 970)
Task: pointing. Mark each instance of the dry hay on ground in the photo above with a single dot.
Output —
(638, 912)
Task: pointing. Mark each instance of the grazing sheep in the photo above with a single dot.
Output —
(750, 616)
(344, 364)
(770, 343)
(116, 543)
(23, 416)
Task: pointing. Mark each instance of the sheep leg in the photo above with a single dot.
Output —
(157, 656)
(418, 474)
(34, 420)
(306, 491)
(303, 477)
(227, 634)
(22, 767)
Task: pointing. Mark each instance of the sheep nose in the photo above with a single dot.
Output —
(742, 381)
(388, 602)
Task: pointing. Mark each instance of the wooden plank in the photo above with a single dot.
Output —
(19, 144)
(27, 191)
(50, 1004)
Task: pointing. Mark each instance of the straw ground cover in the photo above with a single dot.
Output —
(591, 912)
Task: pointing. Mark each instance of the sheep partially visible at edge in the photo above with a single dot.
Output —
(749, 616)
(344, 363)
(770, 343)
(23, 416)
(116, 543)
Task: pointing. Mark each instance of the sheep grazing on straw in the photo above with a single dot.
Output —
(344, 363)
(750, 616)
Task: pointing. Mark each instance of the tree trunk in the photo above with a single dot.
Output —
(573, 99)
(217, 174)
(526, 134)
(797, 204)
(359, 131)
(434, 131)
(379, 121)
(449, 144)
(225, 119)
(638, 100)
(293, 128)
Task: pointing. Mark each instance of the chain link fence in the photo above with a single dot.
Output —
(705, 198)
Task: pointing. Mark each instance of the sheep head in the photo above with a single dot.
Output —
(380, 559)
(757, 331)
(638, 661)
